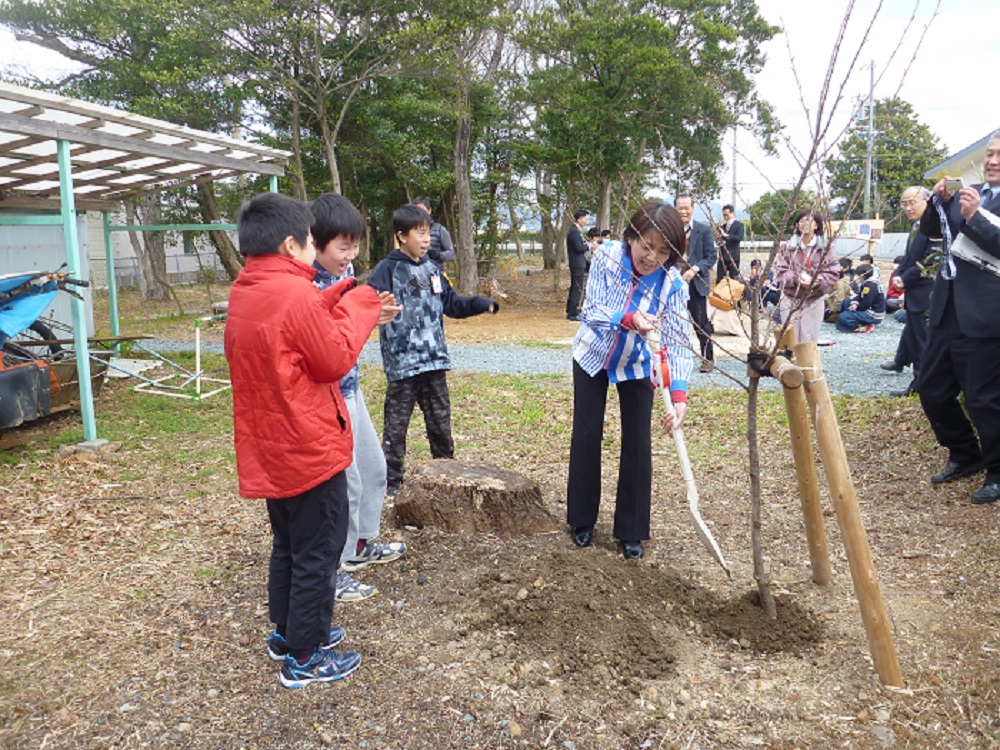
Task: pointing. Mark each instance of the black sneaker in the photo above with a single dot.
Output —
(277, 646)
(392, 488)
(323, 666)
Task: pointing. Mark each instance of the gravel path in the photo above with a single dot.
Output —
(851, 363)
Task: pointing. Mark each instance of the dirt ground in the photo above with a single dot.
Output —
(133, 600)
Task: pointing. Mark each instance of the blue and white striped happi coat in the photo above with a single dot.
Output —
(614, 290)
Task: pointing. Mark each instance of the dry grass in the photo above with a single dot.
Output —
(132, 595)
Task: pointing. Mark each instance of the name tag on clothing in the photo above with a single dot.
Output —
(436, 284)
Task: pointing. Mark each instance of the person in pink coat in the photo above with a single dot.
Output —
(806, 269)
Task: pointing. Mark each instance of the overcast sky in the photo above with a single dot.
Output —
(959, 108)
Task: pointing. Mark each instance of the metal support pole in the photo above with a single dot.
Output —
(734, 169)
(72, 240)
(109, 261)
(871, 141)
(197, 358)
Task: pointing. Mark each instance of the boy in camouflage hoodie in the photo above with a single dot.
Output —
(414, 352)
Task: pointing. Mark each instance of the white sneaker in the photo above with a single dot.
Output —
(350, 589)
(374, 553)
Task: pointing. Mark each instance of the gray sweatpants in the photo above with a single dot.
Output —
(365, 477)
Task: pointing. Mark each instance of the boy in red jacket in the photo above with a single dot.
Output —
(288, 345)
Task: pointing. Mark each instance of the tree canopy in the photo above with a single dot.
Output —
(478, 103)
(767, 213)
(904, 148)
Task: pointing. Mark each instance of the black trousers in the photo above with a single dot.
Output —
(913, 342)
(430, 391)
(309, 534)
(729, 264)
(635, 464)
(902, 358)
(915, 335)
(953, 363)
(698, 310)
(577, 283)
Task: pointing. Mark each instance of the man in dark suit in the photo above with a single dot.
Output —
(963, 350)
(731, 234)
(912, 279)
(701, 257)
(576, 259)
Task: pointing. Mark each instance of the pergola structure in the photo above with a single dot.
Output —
(62, 154)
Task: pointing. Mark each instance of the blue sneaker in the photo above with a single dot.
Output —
(277, 646)
(323, 666)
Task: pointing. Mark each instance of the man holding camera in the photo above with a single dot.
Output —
(731, 233)
(963, 349)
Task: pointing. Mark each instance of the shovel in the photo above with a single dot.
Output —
(661, 379)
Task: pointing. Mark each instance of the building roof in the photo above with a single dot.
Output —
(113, 153)
(972, 155)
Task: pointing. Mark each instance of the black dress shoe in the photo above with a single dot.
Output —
(902, 394)
(954, 470)
(582, 535)
(632, 550)
(891, 367)
(990, 493)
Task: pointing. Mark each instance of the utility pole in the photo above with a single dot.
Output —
(733, 201)
(871, 142)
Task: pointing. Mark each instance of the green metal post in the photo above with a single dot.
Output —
(79, 311)
(274, 183)
(109, 260)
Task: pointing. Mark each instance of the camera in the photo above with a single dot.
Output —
(953, 184)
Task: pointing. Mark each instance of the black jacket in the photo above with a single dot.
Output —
(975, 292)
(702, 253)
(920, 253)
(576, 249)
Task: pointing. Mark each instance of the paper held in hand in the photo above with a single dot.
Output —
(967, 250)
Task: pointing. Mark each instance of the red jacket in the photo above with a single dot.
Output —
(288, 344)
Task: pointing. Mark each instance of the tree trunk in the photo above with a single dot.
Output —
(604, 204)
(296, 174)
(364, 259)
(329, 148)
(150, 253)
(759, 568)
(225, 249)
(468, 270)
(548, 234)
(515, 228)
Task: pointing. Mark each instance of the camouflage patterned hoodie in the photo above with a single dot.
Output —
(414, 341)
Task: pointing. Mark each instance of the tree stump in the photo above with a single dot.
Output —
(470, 497)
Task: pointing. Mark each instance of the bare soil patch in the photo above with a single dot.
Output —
(133, 591)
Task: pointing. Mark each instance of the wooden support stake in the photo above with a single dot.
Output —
(845, 502)
(805, 471)
(786, 373)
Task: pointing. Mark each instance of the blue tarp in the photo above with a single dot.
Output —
(21, 305)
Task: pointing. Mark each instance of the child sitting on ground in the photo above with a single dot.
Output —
(867, 308)
(288, 344)
(337, 234)
(767, 292)
(842, 290)
(414, 353)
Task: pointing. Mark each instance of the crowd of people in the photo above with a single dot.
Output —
(298, 320)
(304, 439)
